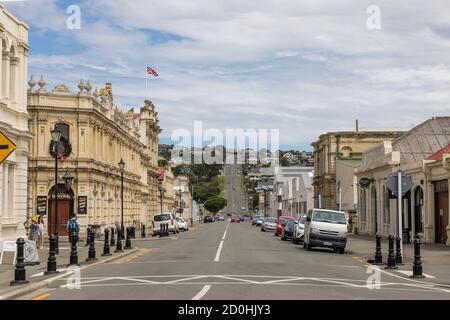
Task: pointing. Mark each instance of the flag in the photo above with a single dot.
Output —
(152, 72)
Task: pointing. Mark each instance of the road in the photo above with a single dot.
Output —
(233, 190)
(224, 260)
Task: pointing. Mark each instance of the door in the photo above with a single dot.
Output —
(441, 216)
(63, 216)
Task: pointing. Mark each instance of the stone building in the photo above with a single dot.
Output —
(96, 135)
(166, 181)
(181, 189)
(422, 154)
(293, 192)
(333, 145)
(13, 124)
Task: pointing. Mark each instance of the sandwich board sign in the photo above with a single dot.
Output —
(9, 249)
(30, 253)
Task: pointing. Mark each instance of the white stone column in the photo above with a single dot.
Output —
(14, 68)
(5, 74)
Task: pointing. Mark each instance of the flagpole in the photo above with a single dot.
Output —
(146, 83)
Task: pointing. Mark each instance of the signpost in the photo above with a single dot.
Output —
(399, 184)
(6, 147)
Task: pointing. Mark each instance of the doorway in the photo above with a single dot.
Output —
(441, 210)
(65, 208)
(374, 208)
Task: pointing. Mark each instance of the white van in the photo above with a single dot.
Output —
(325, 228)
(165, 218)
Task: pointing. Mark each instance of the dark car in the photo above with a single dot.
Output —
(208, 219)
(288, 230)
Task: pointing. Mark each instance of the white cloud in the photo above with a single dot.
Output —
(302, 66)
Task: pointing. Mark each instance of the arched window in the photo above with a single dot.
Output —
(346, 152)
(65, 130)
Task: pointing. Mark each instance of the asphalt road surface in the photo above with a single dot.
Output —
(233, 190)
(224, 260)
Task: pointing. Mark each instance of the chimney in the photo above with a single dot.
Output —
(357, 125)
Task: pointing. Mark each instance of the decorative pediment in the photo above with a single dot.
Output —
(61, 89)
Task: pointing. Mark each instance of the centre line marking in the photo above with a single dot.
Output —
(216, 259)
(202, 292)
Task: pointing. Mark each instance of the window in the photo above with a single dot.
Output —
(387, 206)
(64, 128)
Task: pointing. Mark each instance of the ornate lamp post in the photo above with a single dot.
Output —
(68, 181)
(161, 195)
(56, 137)
(122, 169)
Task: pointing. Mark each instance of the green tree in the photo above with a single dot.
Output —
(215, 204)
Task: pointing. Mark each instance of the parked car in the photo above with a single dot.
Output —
(165, 218)
(208, 219)
(281, 222)
(299, 230)
(269, 224)
(325, 228)
(235, 219)
(256, 219)
(220, 218)
(288, 230)
(183, 224)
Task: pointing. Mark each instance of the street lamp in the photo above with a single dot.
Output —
(68, 181)
(56, 137)
(122, 169)
(161, 195)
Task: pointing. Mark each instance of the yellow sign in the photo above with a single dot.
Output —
(6, 147)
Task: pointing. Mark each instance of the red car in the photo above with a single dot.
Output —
(281, 222)
(235, 219)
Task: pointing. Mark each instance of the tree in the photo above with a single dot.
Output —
(215, 204)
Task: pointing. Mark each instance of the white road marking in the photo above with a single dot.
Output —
(216, 259)
(410, 273)
(202, 292)
(41, 274)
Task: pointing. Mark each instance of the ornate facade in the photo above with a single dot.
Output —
(100, 135)
(14, 124)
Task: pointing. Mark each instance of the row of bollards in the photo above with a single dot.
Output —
(164, 230)
(395, 255)
(20, 273)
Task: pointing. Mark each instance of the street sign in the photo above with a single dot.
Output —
(392, 183)
(6, 147)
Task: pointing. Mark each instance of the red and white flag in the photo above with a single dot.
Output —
(152, 72)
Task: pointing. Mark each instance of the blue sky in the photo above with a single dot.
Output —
(303, 67)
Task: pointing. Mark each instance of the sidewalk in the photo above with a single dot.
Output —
(34, 274)
(435, 258)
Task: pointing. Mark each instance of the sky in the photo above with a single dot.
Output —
(304, 67)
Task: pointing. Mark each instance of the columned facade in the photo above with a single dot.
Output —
(100, 136)
(14, 124)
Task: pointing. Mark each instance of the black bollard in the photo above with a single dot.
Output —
(167, 229)
(398, 252)
(128, 239)
(378, 253)
(51, 262)
(88, 232)
(113, 240)
(161, 230)
(19, 272)
(73, 250)
(91, 253)
(143, 231)
(106, 250)
(119, 241)
(417, 266)
(391, 256)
